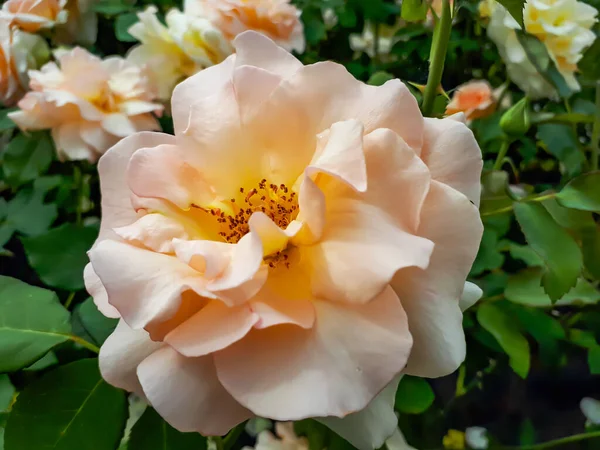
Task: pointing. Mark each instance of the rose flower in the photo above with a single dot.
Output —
(475, 99)
(301, 242)
(277, 19)
(88, 103)
(33, 15)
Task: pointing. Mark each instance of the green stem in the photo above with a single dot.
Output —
(557, 442)
(539, 198)
(441, 37)
(69, 300)
(85, 344)
(218, 440)
(596, 131)
(233, 436)
(501, 154)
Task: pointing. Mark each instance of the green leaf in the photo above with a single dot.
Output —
(26, 157)
(27, 213)
(582, 338)
(525, 288)
(112, 7)
(32, 321)
(380, 78)
(588, 65)
(414, 10)
(7, 391)
(414, 395)
(594, 360)
(316, 433)
(6, 123)
(59, 256)
(89, 322)
(488, 256)
(561, 254)
(151, 432)
(515, 8)
(71, 408)
(314, 28)
(582, 193)
(525, 253)
(561, 141)
(503, 327)
(122, 25)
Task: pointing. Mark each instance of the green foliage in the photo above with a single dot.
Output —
(32, 322)
(515, 8)
(561, 254)
(122, 25)
(582, 193)
(414, 10)
(26, 157)
(516, 121)
(91, 324)
(151, 432)
(72, 408)
(59, 256)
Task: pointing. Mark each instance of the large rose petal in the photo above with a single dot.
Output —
(254, 49)
(121, 353)
(187, 393)
(288, 362)
(431, 296)
(96, 289)
(453, 156)
(368, 429)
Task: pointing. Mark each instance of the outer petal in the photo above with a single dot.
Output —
(368, 429)
(112, 168)
(368, 237)
(96, 289)
(121, 353)
(431, 296)
(211, 329)
(254, 49)
(471, 293)
(153, 231)
(187, 393)
(453, 156)
(143, 285)
(296, 373)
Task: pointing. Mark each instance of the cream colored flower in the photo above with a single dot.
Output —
(19, 53)
(33, 15)
(285, 438)
(300, 242)
(186, 45)
(564, 26)
(276, 19)
(88, 103)
(365, 42)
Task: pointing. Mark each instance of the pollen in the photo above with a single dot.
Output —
(278, 202)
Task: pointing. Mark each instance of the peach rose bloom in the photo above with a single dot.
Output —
(299, 243)
(277, 19)
(285, 438)
(88, 103)
(33, 15)
(19, 52)
(475, 99)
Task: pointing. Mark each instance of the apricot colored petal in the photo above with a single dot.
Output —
(117, 210)
(431, 296)
(96, 137)
(153, 231)
(165, 172)
(121, 353)
(144, 286)
(253, 86)
(289, 362)
(69, 143)
(211, 329)
(197, 87)
(312, 210)
(342, 155)
(453, 156)
(273, 238)
(96, 289)
(187, 393)
(118, 124)
(325, 93)
(369, 428)
(254, 49)
(368, 237)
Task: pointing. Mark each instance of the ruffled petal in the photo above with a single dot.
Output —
(368, 429)
(296, 373)
(254, 49)
(96, 289)
(187, 393)
(453, 156)
(431, 296)
(213, 328)
(153, 231)
(121, 353)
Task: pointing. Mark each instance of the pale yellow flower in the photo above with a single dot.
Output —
(186, 45)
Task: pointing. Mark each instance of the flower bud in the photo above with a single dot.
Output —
(516, 121)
